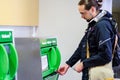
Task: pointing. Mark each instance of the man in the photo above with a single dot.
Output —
(100, 38)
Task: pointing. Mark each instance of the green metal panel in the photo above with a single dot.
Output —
(4, 62)
(48, 42)
(6, 36)
(50, 49)
(13, 62)
(8, 55)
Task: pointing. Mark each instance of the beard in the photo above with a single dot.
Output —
(91, 17)
(88, 20)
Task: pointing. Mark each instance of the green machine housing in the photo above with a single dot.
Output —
(53, 58)
(8, 56)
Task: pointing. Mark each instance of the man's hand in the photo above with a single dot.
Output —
(63, 69)
(79, 67)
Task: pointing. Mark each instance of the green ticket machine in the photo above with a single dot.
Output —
(8, 56)
(50, 57)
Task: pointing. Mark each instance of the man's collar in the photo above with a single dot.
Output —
(99, 16)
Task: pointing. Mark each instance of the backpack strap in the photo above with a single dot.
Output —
(115, 30)
(115, 44)
(112, 22)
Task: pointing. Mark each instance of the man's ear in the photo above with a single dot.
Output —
(93, 9)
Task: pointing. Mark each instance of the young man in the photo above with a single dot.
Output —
(100, 38)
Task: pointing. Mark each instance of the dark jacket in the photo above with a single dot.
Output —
(100, 37)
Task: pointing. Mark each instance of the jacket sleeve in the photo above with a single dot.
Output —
(77, 54)
(104, 52)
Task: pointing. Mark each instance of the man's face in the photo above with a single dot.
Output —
(85, 14)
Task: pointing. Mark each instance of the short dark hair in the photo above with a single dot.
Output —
(89, 3)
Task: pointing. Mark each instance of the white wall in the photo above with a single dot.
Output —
(107, 5)
(21, 31)
(61, 19)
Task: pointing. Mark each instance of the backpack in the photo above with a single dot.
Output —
(116, 46)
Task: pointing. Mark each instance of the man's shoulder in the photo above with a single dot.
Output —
(103, 22)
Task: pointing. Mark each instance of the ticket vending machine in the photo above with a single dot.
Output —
(50, 57)
(8, 56)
